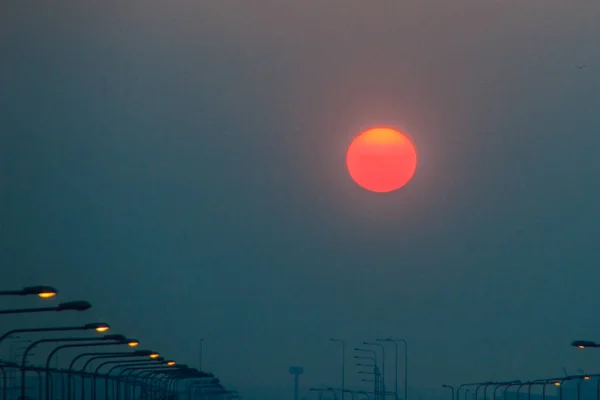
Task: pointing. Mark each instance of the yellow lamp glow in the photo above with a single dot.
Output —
(170, 363)
(46, 295)
(154, 355)
(133, 343)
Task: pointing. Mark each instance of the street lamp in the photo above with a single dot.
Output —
(452, 389)
(328, 389)
(129, 362)
(97, 326)
(107, 340)
(382, 363)
(129, 368)
(343, 363)
(98, 356)
(375, 368)
(396, 341)
(69, 306)
(45, 292)
(582, 344)
(146, 375)
(117, 338)
(488, 384)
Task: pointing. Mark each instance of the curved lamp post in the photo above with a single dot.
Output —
(375, 368)
(470, 384)
(139, 353)
(127, 367)
(452, 389)
(107, 340)
(96, 372)
(328, 389)
(70, 306)
(97, 326)
(168, 369)
(396, 341)
(45, 292)
(55, 340)
(343, 363)
(382, 347)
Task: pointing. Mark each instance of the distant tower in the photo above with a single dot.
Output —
(296, 371)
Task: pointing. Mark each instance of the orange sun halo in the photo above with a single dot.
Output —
(381, 160)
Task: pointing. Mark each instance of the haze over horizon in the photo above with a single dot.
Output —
(181, 165)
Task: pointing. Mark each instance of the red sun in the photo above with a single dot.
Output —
(381, 160)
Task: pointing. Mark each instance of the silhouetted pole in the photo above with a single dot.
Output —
(97, 326)
(396, 341)
(465, 385)
(96, 373)
(452, 389)
(343, 364)
(55, 340)
(70, 306)
(506, 390)
(44, 292)
(382, 363)
(375, 368)
(498, 386)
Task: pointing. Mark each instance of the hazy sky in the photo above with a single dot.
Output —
(180, 164)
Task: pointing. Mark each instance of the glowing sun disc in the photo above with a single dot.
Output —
(381, 160)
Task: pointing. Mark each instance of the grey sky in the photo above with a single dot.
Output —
(180, 164)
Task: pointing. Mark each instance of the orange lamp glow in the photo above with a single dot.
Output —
(133, 343)
(587, 378)
(381, 160)
(581, 347)
(47, 295)
(154, 355)
(102, 328)
(170, 363)
(556, 383)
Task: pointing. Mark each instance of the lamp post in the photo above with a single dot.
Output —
(109, 340)
(55, 340)
(70, 306)
(328, 389)
(148, 374)
(99, 367)
(343, 363)
(497, 386)
(396, 341)
(382, 347)
(375, 368)
(146, 370)
(122, 364)
(128, 367)
(142, 353)
(44, 292)
(97, 326)
(466, 385)
(542, 382)
(506, 386)
(452, 389)
(170, 373)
